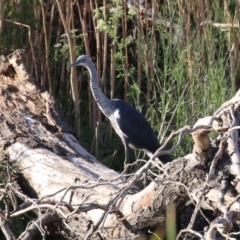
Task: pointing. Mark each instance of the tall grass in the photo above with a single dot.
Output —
(171, 60)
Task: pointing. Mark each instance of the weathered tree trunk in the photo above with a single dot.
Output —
(61, 180)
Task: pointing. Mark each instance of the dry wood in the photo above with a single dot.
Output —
(65, 182)
(47, 45)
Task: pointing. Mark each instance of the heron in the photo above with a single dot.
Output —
(129, 124)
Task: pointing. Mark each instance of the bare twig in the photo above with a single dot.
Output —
(218, 156)
(222, 26)
(33, 228)
(5, 227)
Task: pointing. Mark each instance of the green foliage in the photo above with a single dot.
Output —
(61, 49)
(190, 80)
(185, 66)
(134, 92)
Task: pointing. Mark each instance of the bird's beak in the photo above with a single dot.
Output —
(74, 64)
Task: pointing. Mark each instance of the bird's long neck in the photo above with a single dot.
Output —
(100, 98)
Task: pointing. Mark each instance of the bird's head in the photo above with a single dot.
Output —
(82, 60)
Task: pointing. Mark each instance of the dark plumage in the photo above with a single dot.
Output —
(130, 125)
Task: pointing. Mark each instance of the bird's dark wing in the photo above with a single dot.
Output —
(134, 126)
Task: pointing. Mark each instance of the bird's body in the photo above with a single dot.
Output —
(135, 128)
(130, 125)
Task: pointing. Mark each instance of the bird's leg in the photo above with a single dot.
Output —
(126, 148)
